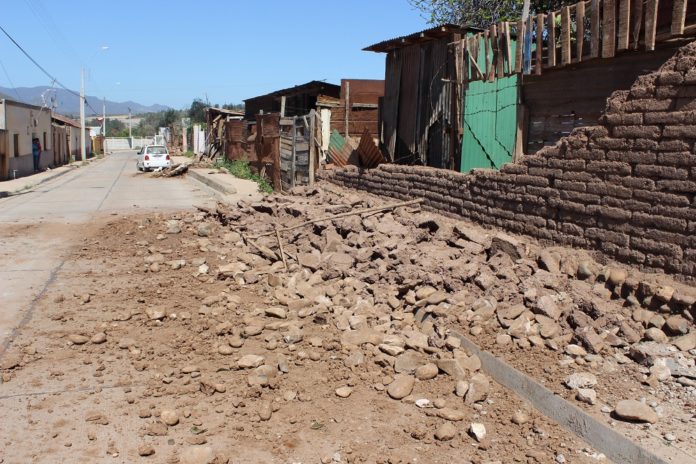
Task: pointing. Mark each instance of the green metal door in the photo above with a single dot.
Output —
(489, 120)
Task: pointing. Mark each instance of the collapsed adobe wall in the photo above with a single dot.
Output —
(625, 187)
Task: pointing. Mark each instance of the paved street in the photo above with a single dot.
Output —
(38, 228)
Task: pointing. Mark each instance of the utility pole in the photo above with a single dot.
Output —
(104, 115)
(130, 133)
(83, 146)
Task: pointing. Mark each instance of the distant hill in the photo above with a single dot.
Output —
(67, 103)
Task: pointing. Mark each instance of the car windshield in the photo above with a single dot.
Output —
(157, 150)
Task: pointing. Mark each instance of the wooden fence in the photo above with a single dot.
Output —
(300, 145)
(575, 33)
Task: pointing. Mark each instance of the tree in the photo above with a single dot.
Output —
(480, 13)
(197, 110)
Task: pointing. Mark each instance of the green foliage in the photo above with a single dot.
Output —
(480, 13)
(242, 170)
(188, 154)
(197, 111)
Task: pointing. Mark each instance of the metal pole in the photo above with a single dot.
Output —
(104, 115)
(83, 146)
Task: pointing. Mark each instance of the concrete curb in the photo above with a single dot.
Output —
(71, 168)
(614, 445)
(217, 186)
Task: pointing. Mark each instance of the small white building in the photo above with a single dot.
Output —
(19, 124)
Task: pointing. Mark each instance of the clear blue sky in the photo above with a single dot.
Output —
(170, 52)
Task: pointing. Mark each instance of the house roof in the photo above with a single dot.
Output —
(426, 35)
(65, 120)
(318, 85)
(225, 111)
(9, 101)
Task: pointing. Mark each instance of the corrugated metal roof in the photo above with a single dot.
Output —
(300, 88)
(436, 32)
(370, 156)
(65, 120)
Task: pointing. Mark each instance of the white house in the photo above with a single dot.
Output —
(19, 124)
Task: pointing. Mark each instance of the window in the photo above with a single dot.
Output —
(15, 142)
(157, 150)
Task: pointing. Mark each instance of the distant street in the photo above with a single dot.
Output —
(38, 228)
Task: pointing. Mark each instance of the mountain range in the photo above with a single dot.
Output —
(67, 103)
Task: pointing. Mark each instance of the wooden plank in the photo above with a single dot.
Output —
(519, 46)
(678, 17)
(500, 56)
(347, 127)
(579, 29)
(508, 50)
(609, 29)
(539, 43)
(636, 23)
(624, 24)
(472, 59)
(527, 52)
(565, 35)
(551, 21)
(494, 46)
(650, 24)
(486, 35)
(594, 29)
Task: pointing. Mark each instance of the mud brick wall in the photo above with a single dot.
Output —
(625, 187)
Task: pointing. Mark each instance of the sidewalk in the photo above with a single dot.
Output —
(22, 184)
(226, 185)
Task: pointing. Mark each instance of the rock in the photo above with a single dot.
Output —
(586, 395)
(424, 292)
(470, 363)
(519, 418)
(503, 339)
(616, 276)
(478, 431)
(146, 450)
(343, 392)
(401, 387)
(548, 328)
(461, 388)
(169, 417)
(635, 411)
(504, 243)
(580, 380)
(478, 389)
(360, 337)
(276, 312)
(391, 350)
(660, 372)
(677, 325)
(155, 314)
(586, 270)
(77, 339)
(590, 339)
(204, 229)
(647, 352)
(225, 350)
(173, 227)
(250, 361)
(575, 350)
(98, 338)
(265, 410)
(450, 414)
(547, 306)
(664, 293)
(197, 455)
(452, 368)
(408, 362)
(452, 342)
(446, 431)
(686, 342)
(550, 261)
(656, 335)
(427, 371)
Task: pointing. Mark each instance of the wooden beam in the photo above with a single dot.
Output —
(624, 24)
(495, 46)
(650, 24)
(551, 58)
(475, 65)
(500, 58)
(609, 29)
(508, 50)
(486, 49)
(594, 29)
(565, 35)
(636, 23)
(539, 43)
(579, 29)
(678, 17)
(519, 46)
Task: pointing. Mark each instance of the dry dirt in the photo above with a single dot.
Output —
(133, 353)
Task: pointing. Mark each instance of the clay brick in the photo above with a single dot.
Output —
(534, 199)
(628, 119)
(660, 172)
(632, 156)
(685, 186)
(638, 183)
(611, 143)
(580, 218)
(609, 212)
(673, 145)
(578, 176)
(644, 145)
(570, 185)
(661, 222)
(635, 205)
(609, 167)
(532, 180)
(585, 154)
(660, 248)
(666, 117)
(642, 91)
(567, 164)
(514, 168)
(607, 236)
(665, 91)
(536, 161)
(544, 172)
(603, 188)
(685, 104)
(650, 132)
(680, 131)
(580, 197)
(690, 77)
(661, 198)
(572, 229)
(646, 105)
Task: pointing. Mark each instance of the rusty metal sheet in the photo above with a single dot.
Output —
(341, 152)
(369, 154)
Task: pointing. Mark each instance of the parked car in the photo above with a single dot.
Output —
(153, 157)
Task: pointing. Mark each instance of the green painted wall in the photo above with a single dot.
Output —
(489, 120)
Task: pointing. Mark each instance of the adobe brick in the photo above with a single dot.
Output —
(645, 157)
(580, 197)
(579, 218)
(666, 91)
(666, 117)
(514, 168)
(628, 119)
(572, 229)
(533, 199)
(638, 183)
(545, 172)
(661, 222)
(685, 104)
(676, 132)
(604, 188)
(609, 167)
(677, 159)
(634, 132)
(612, 143)
(578, 176)
(630, 255)
(690, 77)
(687, 91)
(607, 236)
(673, 145)
(567, 164)
(657, 247)
(644, 145)
(585, 154)
(532, 180)
(642, 91)
(661, 198)
(609, 212)
(661, 172)
(570, 185)
(685, 186)
(647, 104)
(536, 161)
(635, 205)
(679, 212)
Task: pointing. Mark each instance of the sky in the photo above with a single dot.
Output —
(152, 51)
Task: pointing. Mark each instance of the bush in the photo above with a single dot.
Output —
(242, 170)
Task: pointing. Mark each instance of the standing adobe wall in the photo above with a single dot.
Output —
(625, 187)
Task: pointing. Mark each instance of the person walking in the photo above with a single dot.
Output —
(36, 153)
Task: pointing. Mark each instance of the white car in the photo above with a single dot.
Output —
(153, 157)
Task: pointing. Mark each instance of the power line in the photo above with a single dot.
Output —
(10, 80)
(54, 80)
